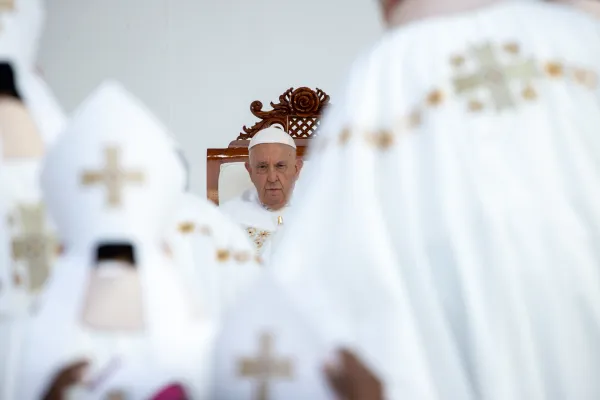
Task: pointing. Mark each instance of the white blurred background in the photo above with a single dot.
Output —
(198, 64)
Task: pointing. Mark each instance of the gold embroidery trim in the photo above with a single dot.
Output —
(500, 78)
(33, 245)
(258, 237)
(223, 255)
(187, 227)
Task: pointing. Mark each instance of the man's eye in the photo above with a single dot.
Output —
(281, 166)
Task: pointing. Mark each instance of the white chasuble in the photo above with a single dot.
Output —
(29, 245)
(261, 224)
(217, 259)
(449, 224)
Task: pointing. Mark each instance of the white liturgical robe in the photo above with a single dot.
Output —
(132, 319)
(260, 223)
(30, 117)
(448, 226)
(217, 258)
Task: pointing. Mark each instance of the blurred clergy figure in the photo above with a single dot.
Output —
(449, 225)
(21, 27)
(217, 259)
(30, 119)
(274, 168)
(115, 299)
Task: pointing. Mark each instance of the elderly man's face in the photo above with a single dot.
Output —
(274, 169)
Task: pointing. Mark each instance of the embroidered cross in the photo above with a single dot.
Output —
(494, 76)
(35, 246)
(6, 6)
(258, 237)
(112, 176)
(265, 367)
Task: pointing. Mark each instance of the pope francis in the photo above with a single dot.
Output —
(274, 169)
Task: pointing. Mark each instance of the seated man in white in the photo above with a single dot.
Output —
(274, 169)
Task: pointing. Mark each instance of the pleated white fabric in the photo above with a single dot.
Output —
(449, 233)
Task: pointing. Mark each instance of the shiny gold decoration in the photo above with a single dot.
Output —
(554, 69)
(383, 140)
(495, 77)
(258, 237)
(280, 220)
(187, 227)
(435, 98)
(512, 48)
(223, 255)
(112, 176)
(529, 93)
(265, 367)
(35, 245)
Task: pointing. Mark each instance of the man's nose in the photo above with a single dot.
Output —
(272, 175)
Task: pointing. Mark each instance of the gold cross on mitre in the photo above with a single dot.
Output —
(112, 176)
(493, 75)
(35, 245)
(6, 6)
(265, 367)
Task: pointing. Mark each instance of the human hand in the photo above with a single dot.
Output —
(352, 380)
(68, 377)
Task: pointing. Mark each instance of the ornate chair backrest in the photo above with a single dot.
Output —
(298, 112)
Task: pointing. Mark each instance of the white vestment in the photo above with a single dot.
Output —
(217, 259)
(21, 25)
(27, 254)
(448, 225)
(260, 223)
(134, 322)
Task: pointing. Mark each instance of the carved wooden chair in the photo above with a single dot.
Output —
(298, 112)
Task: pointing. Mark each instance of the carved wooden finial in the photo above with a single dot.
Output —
(299, 112)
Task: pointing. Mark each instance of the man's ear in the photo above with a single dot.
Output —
(247, 165)
(299, 165)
